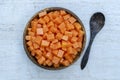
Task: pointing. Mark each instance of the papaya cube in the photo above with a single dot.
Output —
(39, 25)
(74, 39)
(62, 27)
(77, 26)
(67, 16)
(50, 37)
(59, 36)
(74, 33)
(45, 43)
(36, 46)
(62, 12)
(41, 60)
(55, 52)
(41, 21)
(68, 33)
(58, 20)
(72, 20)
(34, 25)
(55, 60)
(60, 53)
(50, 24)
(56, 14)
(28, 37)
(46, 19)
(29, 43)
(65, 38)
(38, 40)
(39, 31)
(66, 63)
(43, 13)
(45, 28)
(49, 55)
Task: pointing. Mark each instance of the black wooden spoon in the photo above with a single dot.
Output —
(97, 22)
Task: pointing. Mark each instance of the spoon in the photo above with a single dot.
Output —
(97, 22)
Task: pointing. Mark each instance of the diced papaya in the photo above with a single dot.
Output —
(31, 48)
(65, 38)
(55, 52)
(55, 14)
(54, 41)
(54, 29)
(33, 39)
(68, 33)
(48, 49)
(67, 16)
(42, 48)
(45, 36)
(43, 13)
(56, 65)
(77, 26)
(72, 20)
(75, 33)
(76, 45)
(58, 20)
(45, 28)
(62, 12)
(48, 62)
(70, 50)
(68, 57)
(34, 25)
(30, 33)
(61, 60)
(59, 36)
(29, 29)
(58, 45)
(41, 21)
(46, 19)
(64, 44)
(45, 43)
(80, 35)
(50, 24)
(55, 60)
(49, 55)
(39, 31)
(41, 60)
(50, 14)
(66, 63)
(28, 37)
(29, 43)
(39, 25)
(60, 53)
(64, 48)
(38, 52)
(69, 26)
(50, 37)
(36, 46)
(62, 27)
(38, 40)
(33, 53)
(74, 39)
(73, 56)
(37, 57)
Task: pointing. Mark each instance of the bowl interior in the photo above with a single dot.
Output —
(28, 25)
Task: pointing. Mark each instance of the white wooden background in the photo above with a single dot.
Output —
(104, 62)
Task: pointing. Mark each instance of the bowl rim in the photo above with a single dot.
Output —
(49, 9)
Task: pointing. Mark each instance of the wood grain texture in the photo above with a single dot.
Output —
(105, 53)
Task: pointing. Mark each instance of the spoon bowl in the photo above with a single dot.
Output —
(97, 22)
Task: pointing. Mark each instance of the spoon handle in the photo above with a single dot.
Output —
(86, 55)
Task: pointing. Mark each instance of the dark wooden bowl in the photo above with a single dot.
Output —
(28, 25)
